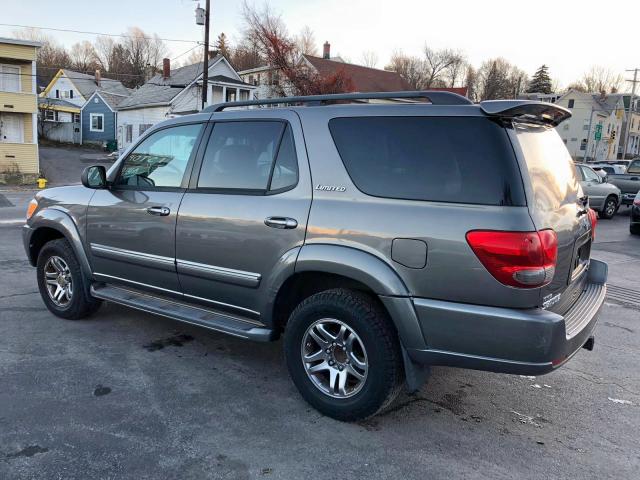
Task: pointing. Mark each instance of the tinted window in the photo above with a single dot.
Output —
(453, 159)
(552, 171)
(161, 159)
(240, 155)
(285, 171)
(634, 167)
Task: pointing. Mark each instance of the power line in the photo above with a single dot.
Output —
(121, 35)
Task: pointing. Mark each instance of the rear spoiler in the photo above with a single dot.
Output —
(528, 111)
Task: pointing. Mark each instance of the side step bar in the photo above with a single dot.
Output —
(182, 312)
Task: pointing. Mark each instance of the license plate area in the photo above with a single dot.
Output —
(581, 257)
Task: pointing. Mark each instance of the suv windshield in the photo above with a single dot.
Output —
(552, 172)
(634, 167)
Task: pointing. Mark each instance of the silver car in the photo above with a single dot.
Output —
(378, 239)
(603, 196)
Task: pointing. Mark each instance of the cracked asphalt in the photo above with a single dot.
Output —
(130, 395)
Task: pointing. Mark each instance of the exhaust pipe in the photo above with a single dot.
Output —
(590, 343)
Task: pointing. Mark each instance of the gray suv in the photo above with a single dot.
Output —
(379, 234)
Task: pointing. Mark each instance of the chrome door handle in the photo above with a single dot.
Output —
(159, 211)
(281, 222)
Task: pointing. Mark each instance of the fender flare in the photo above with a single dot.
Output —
(62, 222)
(376, 274)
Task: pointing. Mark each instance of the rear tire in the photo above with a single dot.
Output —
(62, 285)
(609, 208)
(346, 330)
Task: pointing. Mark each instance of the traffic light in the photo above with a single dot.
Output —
(613, 135)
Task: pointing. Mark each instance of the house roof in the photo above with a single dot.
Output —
(225, 79)
(16, 41)
(86, 84)
(160, 91)
(364, 79)
(57, 104)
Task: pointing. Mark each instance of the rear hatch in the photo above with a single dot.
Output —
(556, 201)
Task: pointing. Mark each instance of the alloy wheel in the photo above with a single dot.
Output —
(58, 281)
(334, 358)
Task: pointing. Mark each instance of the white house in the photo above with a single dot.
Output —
(177, 92)
(61, 102)
(592, 132)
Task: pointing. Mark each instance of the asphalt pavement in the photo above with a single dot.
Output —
(126, 394)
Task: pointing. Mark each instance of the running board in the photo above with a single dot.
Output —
(182, 312)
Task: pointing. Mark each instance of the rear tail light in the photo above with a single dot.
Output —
(636, 201)
(517, 259)
(593, 218)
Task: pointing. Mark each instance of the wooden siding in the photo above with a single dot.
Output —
(18, 102)
(108, 123)
(23, 156)
(18, 52)
(26, 83)
(28, 127)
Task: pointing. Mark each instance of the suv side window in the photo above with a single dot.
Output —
(255, 156)
(161, 159)
(634, 167)
(442, 159)
(590, 175)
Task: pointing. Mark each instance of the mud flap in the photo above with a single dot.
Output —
(416, 375)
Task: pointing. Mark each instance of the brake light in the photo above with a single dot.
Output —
(517, 259)
(593, 218)
(636, 201)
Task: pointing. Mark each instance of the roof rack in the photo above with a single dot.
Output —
(435, 97)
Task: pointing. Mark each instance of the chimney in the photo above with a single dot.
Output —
(98, 77)
(166, 68)
(326, 50)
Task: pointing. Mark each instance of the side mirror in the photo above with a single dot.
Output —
(94, 176)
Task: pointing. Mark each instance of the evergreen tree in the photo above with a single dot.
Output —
(222, 47)
(541, 81)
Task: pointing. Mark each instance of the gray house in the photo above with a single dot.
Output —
(99, 117)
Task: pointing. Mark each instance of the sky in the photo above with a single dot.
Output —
(568, 35)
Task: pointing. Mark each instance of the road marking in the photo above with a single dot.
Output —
(15, 221)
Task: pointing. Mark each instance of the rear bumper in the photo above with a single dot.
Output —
(526, 342)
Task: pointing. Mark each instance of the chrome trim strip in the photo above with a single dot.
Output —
(227, 305)
(131, 256)
(136, 283)
(220, 274)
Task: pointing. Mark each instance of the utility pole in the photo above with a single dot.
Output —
(205, 62)
(631, 110)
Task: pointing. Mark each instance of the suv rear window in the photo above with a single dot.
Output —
(442, 159)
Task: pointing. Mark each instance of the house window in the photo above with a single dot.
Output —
(97, 122)
(57, 93)
(50, 115)
(128, 133)
(571, 103)
(9, 78)
(76, 118)
(70, 93)
(143, 127)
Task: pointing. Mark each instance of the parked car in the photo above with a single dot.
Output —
(609, 168)
(603, 196)
(634, 216)
(380, 239)
(628, 183)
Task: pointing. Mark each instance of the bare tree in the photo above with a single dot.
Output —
(268, 32)
(497, 78)
(436, 63)
(410, 68)
(142, 51)
(306, 42)
(83, 56)
(370, 59)
(454, 74)
(50, 57)
(602, 80)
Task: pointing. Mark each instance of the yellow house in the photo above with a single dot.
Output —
(18, 108)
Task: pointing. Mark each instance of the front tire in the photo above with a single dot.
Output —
(62, 286)
(343, 354)
(609, 208)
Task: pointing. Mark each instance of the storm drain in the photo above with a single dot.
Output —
(4, 202)
(623, 295)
